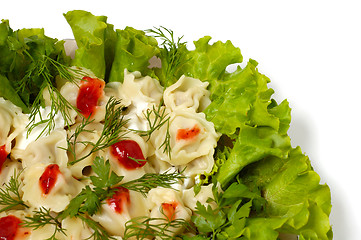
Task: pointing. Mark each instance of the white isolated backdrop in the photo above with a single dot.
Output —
(310, 49)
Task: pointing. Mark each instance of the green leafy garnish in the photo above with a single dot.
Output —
(163, 228)
(172, 54)
(113, 131)
(228, 219)
(10, 196)
(156, 118)
(43, 217)
(43, 68)
(88, 201)
(152, 180)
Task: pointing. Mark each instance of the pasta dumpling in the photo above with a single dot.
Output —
(47, 149)
(128, 157)
(87, 91)
(12, 123)
(167, 204)
(192, 137)
(142, 93)
(187, 93)
(123, 206)
(53, 189)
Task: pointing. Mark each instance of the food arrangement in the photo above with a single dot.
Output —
(137, 137)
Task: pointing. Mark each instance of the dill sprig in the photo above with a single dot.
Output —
(46, 68)
(156, 118)
(43, 217)
(166, 143)
(173, 52)
(113, 131)
(152, 180)
(10, 194)
(159, 228)
(72, 140)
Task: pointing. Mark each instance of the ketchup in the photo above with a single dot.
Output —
(3, 155)
(128, 148)
(91, 89)
(48, 179)
(187, 133)
(119, 199)
(9, 227)
(169, 210)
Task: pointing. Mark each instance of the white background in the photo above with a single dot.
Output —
(311, 51)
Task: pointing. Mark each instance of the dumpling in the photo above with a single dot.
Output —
(82, 149)
(136, 148)
(192, 138)
(12, 120)
(167, 204)
(86, 93)
(15, 217)
(123, 206)
(74, 229)
(46, 149)
(143, 93)
(49, 186)
(10, 169)
(114, 89)
(187, 93)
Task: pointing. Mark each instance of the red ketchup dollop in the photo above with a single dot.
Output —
(169, 210)
(125, 150)
(187, 133)
(9, 227)
(48, 179)
(91, 89)
(3, 155)
(119, 200)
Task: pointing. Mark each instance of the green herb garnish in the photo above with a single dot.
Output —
(10, 196)
(172, 53)
(43, 217)
(113, 131)
(156, 118)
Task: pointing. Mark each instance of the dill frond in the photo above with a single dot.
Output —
(152, 180)
(10, 194)
(43, 217)
(159, 228)
(156, 118)
(173, 53)
(46, 69)
(113, 130)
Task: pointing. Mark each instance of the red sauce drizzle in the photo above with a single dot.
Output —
(9, 226)
(128, 148)
(3, 155)
(169, 210)
(188, 133)
(119, 200)
(91, 89)
(48, 179)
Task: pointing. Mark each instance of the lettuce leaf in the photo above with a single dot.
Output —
(293, 192)
(252, 144)
(133, 51)
(259, 154)
(209, 62)
(95, 39)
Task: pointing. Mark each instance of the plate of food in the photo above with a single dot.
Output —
(122, 133)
